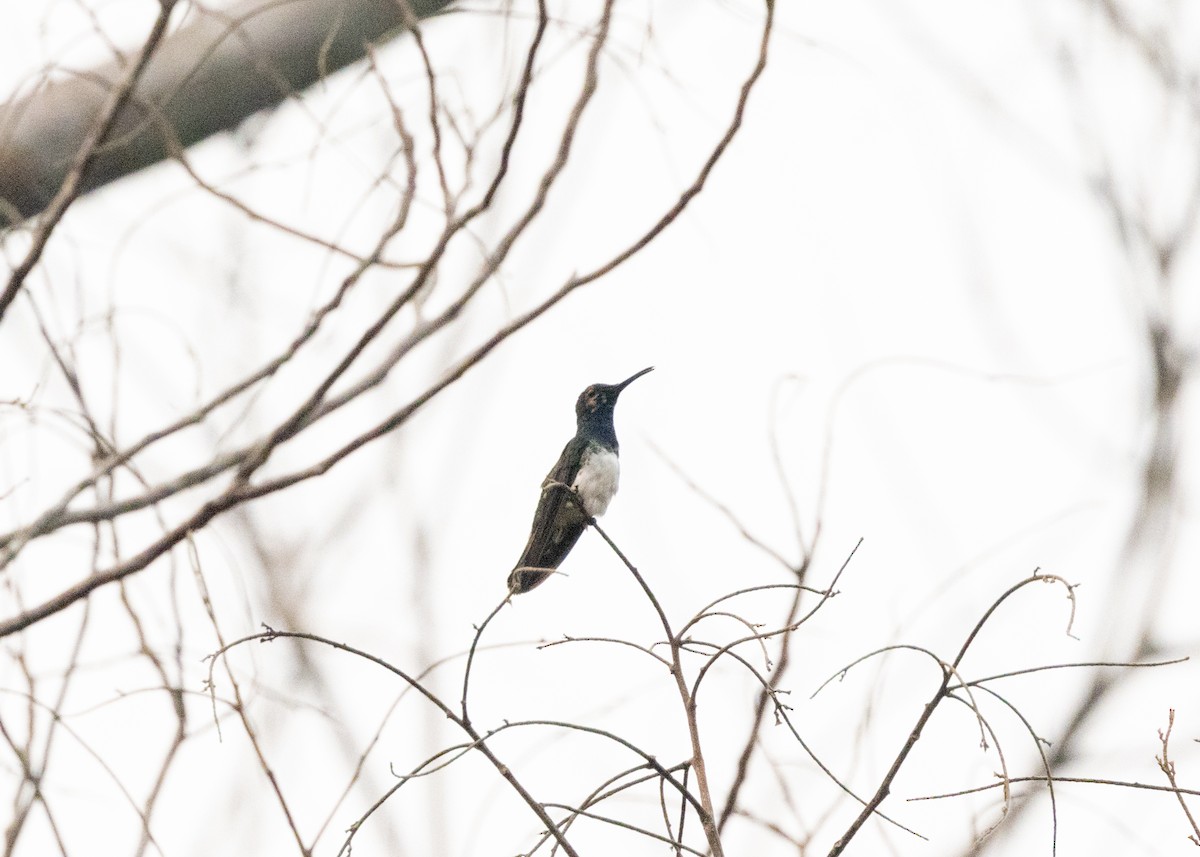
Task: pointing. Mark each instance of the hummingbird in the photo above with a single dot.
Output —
(588, 468)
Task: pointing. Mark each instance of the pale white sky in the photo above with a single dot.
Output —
(901, 271)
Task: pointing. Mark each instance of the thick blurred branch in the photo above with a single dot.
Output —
(217, 70)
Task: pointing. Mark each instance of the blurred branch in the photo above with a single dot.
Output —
(1143, 570)
(478, 741)
(320, 401)
(214, 72)
(100, 125)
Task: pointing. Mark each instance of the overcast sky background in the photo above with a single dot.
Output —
(902, 272)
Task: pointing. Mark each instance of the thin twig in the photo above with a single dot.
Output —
(948, 672)
(1167, 766)
(480, 741)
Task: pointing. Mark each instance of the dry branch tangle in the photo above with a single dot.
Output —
(216, 70)
(246, 462)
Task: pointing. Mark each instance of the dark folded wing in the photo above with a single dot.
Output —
(557, 525)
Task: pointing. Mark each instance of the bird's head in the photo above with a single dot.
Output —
(598, 400)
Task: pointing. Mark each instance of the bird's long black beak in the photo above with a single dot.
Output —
(633, 378)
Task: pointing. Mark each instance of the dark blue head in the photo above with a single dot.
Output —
(594, 409)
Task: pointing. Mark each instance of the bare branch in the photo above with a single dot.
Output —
(219, 69)
(68, 189)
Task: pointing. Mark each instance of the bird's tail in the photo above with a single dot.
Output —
(526, 577)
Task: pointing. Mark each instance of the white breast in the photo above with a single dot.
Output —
(597, 480)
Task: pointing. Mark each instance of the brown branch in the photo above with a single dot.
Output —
(1040, 745)
(72, 182)
(479, 741)
(1168, 768)
(251, 458)
(707, 819)
(210, 75)
(976, 682)
(611, 640)
(611, 788)
(313, 409)
(781, 713)
(766, 694)
(949, 670)
(581, 812)
(1093, 781)
(239, 702)
(431, 765)
(90, 751)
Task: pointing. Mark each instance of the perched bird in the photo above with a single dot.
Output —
(589, 465)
